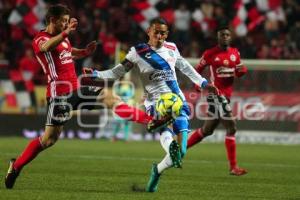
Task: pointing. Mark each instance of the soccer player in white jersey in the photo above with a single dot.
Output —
(157, 61)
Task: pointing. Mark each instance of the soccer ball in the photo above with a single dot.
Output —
(169, 104)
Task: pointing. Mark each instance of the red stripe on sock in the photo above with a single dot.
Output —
(132, 114)
(31, 151)
(231, 151)
(195, 137)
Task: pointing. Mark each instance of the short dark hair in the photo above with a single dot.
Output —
(56, 11)
(224, 27)
(158, 20)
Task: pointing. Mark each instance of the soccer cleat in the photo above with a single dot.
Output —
(175, 154)
(238, 171)
(11, 175)
(154, 179)
(156, 125)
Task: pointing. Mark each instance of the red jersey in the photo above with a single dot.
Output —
(223, 65)
(57, 64)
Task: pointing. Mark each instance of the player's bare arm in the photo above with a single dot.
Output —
(54, 41)
(88, 50)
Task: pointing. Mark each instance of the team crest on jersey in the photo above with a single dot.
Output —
(226, 62)
(232, 58)
(64, 44)
(171, 53)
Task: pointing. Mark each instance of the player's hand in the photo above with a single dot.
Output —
(71, 26)
(87, 70)
(212, 89)
(240, 71)
(209, 87)
(91, 47)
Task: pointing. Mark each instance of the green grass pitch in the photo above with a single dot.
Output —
(95, 169)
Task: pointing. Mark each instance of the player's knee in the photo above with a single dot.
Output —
(231, 130)
(207, 131)
(111, 101)
(115, 101)
(49, 142)
(50, 137)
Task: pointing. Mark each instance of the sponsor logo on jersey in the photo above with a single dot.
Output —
(225, 72)
(65, 57)
(232, 58)
(162, 75)
(217, 59)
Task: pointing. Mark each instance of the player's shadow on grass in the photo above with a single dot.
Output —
(137, 188)
(68, 190)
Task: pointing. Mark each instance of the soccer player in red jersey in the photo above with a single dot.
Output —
(64, 92)
(224, 64)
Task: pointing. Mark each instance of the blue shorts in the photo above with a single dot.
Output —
(182, 121)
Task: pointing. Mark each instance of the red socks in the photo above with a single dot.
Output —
(231, 150)
(131, 113)
(230, 145)
(30, 152)
(195, 137)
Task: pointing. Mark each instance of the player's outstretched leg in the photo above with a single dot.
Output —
(154, 179)
(175, 154)
(12, 175)
(195, 138)
(15, 166)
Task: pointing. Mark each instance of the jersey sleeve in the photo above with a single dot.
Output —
(240, 69)
(187, 69)
(120, 69)
(203, 62)
(177, 53)
(132, 55)
(238, 58)
(37, 42)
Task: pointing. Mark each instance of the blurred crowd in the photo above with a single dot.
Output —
(192, 27)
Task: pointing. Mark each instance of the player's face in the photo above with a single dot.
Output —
(224, 37)
(62, 23)
(157, 33)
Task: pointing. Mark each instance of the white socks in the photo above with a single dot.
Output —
(166, 139)
(164, 164)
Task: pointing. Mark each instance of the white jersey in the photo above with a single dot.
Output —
(157, 70)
